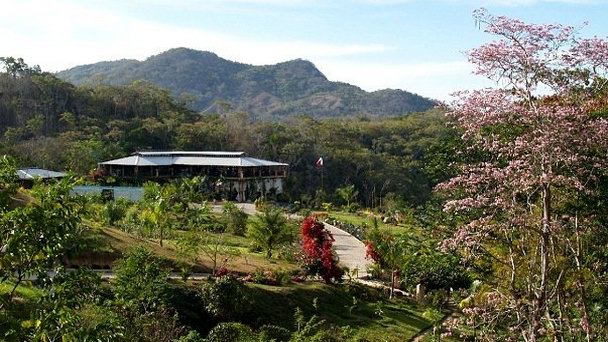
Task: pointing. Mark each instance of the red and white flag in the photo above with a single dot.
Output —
(319, 162)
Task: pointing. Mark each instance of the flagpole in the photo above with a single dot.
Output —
(319, 164)
(322, 189)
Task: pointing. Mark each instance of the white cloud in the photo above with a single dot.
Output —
(59, 35)
(63, 34)
(435, 80)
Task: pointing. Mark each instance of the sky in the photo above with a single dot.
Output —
(415, 45)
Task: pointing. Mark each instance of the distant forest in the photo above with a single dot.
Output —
(47, 122)
(207, 82)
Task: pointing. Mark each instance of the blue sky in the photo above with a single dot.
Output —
(408, 44)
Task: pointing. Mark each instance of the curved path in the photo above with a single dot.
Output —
(350, 250)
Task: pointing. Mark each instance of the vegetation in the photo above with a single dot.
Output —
(49, 122)
(512, 245)
(526, 201)
(270, 229)
(286, 89)
(319, 258)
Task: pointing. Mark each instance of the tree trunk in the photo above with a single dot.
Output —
(392, 293)
(541, 295)
(161, 236)
(581, 284)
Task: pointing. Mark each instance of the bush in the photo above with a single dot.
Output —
(187, 303)
(318, 256)
(160, 326)
(274, 333)
(226, 299)
(192, 336)
(274, 278)
(114, 211)
(141, 280)
(231, 332)
(234, 219)
(436, 271)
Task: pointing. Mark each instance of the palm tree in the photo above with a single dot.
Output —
(269, 229)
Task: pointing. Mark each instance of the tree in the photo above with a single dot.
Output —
(390, 251)
(16, 67)
(539, 147)
(70, 310)
(348, 194)
(8, 182)
(216, 249)
(35, 235)
(269, 229)
(319, 258)
(158, 202)
(141, 280)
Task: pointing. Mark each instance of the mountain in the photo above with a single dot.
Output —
(268, 91)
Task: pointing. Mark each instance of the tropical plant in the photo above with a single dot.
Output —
(34, 236)
(141, 280)
(318, 256)
(270, 229)
(235, 219)
(348, 194)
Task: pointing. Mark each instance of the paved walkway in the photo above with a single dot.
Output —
(350, 251)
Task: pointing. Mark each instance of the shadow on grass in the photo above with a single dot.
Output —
(368, 312)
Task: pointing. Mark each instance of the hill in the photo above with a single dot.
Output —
(267, 92)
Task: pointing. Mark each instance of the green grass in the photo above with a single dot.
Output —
(20, 309)
(103, 245)
(374, 317)
(362, 219)
(25, 291)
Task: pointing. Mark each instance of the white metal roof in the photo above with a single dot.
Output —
(192, 153)
(32, 173)
(210, 158)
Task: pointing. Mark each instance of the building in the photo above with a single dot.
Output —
(233, 174)
(27, 176)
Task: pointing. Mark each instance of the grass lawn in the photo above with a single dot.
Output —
(20, 308)
(362, 219)
(373, 317)
(106, 244)
(25, 291)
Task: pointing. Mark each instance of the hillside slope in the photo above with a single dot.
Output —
(268, 91)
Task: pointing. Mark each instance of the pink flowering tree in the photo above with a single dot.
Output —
(540, 147)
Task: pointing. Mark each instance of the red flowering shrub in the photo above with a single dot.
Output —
(319, 259)
(371, 253)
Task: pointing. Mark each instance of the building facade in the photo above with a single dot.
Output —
(233, 174)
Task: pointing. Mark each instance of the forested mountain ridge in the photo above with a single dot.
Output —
(267, 92)
(50, 123)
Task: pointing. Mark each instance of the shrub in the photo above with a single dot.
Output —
(140, 280)
(231, 332)
(317, 249)
(282, 277)
(274, 333)
(226, 299)
(234, 219)
(192, 336)
(160, 326)
(114, 211)
(187, 303)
